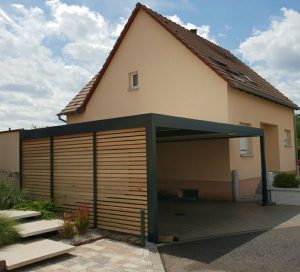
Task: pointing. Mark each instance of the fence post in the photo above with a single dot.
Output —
(143, 243)
(51, 169)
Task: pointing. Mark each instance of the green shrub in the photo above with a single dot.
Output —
(285, 180)
(67, 231)
(8, 231)
(48, 209)
(10, 195)
(82, 220)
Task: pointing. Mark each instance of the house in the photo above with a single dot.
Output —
(170, 113)
(160, 67)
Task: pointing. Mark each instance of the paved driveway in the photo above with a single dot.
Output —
(192, 220)
(276, 250)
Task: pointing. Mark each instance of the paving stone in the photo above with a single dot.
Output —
(39, 227)
(17, 214)
(22, 254)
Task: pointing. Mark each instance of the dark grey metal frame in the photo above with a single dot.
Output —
(154, 124)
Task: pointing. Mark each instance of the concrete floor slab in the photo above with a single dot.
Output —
(203, 219)
(21, 254)
(17, 214)
(39, 227)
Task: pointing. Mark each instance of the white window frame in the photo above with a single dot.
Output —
(131, 86)
(287, 138)
(246, 144)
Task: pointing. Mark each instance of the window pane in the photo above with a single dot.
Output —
(135, 80)
(244, 146)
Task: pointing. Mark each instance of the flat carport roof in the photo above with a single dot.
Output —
(158, 128)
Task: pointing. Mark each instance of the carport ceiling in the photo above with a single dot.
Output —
(197, 130)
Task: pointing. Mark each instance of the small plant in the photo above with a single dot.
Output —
(82, 220)
(48, 209)
(8, 231)
(67, 231)
(10, 195)
(285, 180)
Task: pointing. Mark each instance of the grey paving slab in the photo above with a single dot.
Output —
(21, 254)
(204, 219)
(17, 214)
(103, 255)
(39, 227)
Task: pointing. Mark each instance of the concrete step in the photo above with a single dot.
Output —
(17, 214)
(21, 254)
(39, 227)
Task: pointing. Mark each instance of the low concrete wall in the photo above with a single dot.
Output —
(9, 150)
(286, 196)
(10, 177)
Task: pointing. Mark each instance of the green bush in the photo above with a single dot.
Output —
(285, 180)
(8, 231)
(10, 195)
(82, 220)
(48, 209)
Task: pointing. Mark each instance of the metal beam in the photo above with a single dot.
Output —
(51, 169)
(20, 160)
(95, 178)
(152, 183)
(263, 171)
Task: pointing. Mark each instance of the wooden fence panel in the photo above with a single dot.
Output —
(121, 179)
(36, 167)
(73, 171)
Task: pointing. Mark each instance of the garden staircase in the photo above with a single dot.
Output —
(32, 249)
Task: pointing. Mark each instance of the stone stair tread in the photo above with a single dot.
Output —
(39, 227)
(18, 214)
(21, 254)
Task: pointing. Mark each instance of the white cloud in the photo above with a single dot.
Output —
(37, 79)
(48, 53)
(202, 30)
(275, 53)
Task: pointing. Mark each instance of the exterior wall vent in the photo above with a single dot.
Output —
(188, 194)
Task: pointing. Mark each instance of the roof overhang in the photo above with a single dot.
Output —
(264, 95)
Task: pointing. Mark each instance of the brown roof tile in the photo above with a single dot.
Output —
(220, 60)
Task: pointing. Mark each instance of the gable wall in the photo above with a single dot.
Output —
(246, 108)
(172, 80)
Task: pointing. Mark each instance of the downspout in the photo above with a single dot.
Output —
(296, 142)
(59, 118)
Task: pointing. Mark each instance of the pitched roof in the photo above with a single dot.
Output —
(220, 60)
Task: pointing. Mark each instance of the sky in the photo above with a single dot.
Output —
(50, 49)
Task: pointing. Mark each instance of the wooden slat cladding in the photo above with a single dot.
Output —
(121, 179)
(73, 171)
(36, 167)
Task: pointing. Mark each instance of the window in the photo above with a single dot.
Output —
(287, 138)
(133, 81)
(245, 144)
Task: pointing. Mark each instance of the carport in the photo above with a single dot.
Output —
(170, 129)
(116, 162)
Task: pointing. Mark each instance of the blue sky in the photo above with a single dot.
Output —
(58, 45)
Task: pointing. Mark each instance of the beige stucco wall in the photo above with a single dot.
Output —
(246, 108)
(172, 80)
(202, 165)
(9, 151)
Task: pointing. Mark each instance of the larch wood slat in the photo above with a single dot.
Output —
(36, 167)
(121, 179)
(73, 172)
